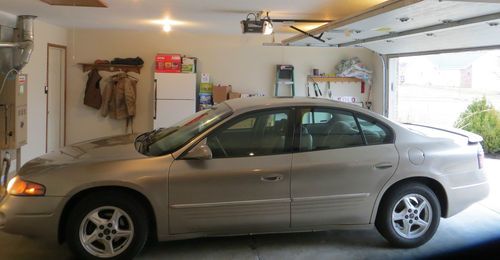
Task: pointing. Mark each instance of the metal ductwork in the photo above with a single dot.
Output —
(21, 44)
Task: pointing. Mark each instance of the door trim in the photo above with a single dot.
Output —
(330, 197)
(229, 203)
(65, 83)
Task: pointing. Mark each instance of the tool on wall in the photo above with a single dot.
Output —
(284, 78)
(317, 90)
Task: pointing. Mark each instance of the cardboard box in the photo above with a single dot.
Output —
(234, 95)
(205, 78)
(206, 88)
(188, 65)
(169, 63)
(205, 98)
(205, 106)
(220, 93)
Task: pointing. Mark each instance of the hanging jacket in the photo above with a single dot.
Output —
(107, 92)
(119, 97)
(92, 96)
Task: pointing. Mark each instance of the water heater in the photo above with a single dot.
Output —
(13, 112)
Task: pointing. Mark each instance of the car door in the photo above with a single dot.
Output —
(245, 187)
(338, 171)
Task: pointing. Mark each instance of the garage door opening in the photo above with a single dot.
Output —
(436, 89)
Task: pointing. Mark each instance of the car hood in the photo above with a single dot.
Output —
(115, 148)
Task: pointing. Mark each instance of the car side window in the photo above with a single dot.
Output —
(324, 128)
(375, 132)
(244, 124)
(257, 134)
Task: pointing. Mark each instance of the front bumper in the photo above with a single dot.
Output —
(30, 216)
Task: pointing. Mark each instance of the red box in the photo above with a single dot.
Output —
(170, 63)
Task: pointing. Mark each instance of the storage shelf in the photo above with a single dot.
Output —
(111, 67)
(332, 79)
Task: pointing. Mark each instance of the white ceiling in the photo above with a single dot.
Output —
(198, 16)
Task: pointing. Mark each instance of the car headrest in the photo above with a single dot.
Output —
(304, 130)
(280, 126)
(341, 127)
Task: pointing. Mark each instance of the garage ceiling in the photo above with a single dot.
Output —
(413, 26)
(214, 16)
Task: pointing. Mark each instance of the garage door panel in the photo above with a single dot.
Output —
(410, 17)
(477, 35)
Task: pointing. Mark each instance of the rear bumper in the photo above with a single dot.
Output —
(461, 197)
(30, 216)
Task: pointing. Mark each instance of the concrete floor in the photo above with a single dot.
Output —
(478, 224)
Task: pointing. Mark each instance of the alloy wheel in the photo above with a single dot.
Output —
(412, 216)
(106, 232)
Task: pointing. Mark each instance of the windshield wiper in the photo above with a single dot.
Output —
(143, 141)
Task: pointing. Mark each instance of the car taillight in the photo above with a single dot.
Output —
(480, 158)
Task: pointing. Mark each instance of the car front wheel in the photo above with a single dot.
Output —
(409, 215)
(107, 225)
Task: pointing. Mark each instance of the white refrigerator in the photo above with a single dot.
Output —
(174, 98)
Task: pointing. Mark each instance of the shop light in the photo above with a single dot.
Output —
(268, 28)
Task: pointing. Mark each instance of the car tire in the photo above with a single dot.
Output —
(105, 220)
(409, 215)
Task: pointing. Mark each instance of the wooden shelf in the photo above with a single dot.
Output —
(332, 79)
(111, 67)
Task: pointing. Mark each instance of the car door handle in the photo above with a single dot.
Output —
(272, 178)
(382, 166)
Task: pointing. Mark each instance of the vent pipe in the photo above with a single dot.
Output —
(23, 46)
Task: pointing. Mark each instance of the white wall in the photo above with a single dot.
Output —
(239, 60)
(37, 76)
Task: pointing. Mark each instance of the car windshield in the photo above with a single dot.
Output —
(166, 140)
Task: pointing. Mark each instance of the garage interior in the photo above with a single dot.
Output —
(300, 54)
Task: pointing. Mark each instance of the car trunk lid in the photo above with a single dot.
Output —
(447, 132)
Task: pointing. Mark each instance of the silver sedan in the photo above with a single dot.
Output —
(248, 166)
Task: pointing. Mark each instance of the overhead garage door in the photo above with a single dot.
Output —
(404, 26)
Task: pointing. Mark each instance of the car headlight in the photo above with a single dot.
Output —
(19, 187)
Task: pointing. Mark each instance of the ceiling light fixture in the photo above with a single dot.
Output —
(166, 24)
(167, 27)
(268, 28)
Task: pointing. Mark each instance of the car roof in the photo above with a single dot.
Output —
(252, 103)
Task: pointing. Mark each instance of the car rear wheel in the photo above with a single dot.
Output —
(409, 215)
(107, 225)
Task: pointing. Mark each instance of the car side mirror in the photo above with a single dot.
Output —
(200, 152)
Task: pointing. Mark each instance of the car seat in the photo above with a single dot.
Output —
(340, 135)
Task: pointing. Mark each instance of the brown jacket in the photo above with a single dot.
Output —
(119, 97)
(92, 96)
